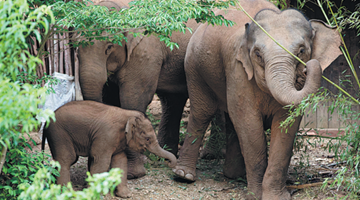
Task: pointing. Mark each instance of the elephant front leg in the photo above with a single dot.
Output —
(249, 128)
(120, 161)
(281, 146)
(198, 122)
(189, 152)
(172, 108)
(136, 99)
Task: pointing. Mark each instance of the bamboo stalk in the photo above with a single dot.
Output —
(39, 68)
(67, 55)
(49, 56)
(61, 61)
(56, 52)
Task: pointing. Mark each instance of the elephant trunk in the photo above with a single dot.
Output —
(92, 77)
(157, 150)
(280, 79)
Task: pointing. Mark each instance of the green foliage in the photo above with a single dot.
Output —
(19, 101)
(36, 81)
(20, 167)
(17, 24)
(280, 4)
(42, 189)
(353, 20)
(217, 139)
(142, 17)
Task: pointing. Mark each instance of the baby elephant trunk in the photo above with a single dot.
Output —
(157, 150)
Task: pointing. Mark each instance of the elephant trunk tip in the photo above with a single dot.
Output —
(172, 162)
(287, 94)
(157, 150)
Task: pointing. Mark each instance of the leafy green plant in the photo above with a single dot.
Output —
(282, 4)
(43, 189)
(20, 167)
(23, 78)
(18, 100)
(142, 17)
(217, 138)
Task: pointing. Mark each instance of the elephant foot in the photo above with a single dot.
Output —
(123, 192)
(185, 173)
(234, 169)
(136, 167)
(209, 154)
(283, 194)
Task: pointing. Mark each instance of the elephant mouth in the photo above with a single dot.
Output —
(142, 150)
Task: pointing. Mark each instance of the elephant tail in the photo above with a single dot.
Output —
(43, 139)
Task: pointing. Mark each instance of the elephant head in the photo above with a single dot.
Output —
(277, 72)
(101, 59)
(140, 136)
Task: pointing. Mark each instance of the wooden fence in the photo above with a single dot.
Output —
(324, 118)
(60, 57)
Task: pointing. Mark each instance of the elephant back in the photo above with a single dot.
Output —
(117, 4)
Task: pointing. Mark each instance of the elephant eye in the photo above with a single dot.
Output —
(107, 51)
(147, 139)
(258, 56)
(257, 53)
(301, 51)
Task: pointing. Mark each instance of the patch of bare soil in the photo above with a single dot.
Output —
(310, 164)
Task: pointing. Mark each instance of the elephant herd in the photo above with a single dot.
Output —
(237, 71)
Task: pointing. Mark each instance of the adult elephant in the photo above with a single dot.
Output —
(242, 72)
(137, 70)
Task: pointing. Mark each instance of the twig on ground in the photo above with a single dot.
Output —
(307, 185)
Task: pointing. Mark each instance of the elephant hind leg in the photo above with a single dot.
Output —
(234, 166)
(172, 108)
(66, 156)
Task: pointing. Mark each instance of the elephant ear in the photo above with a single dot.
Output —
(129, 129)
(243, 55)
(132, 42)
(326, 43)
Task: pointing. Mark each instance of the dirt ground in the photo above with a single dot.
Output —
(160, 183)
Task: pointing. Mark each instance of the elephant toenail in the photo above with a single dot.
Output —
(189, 177)
(180, 173)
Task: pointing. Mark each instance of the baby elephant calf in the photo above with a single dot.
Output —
(102, 133)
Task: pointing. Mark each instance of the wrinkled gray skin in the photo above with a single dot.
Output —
(139, 68)
(102, 133)
(242, 72)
